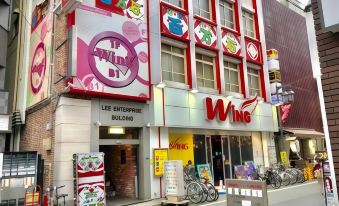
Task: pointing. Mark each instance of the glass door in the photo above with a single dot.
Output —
(226, 157)
(235, 152)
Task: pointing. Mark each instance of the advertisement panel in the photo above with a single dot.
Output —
(181, 147)
(231, 43)
(112, 50)
(40, 52)
(174, 178)
(90, 179)
(160, 156)
(174, 23)
(205, 34)
(204, 171)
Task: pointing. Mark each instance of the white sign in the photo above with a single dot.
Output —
(174, 178)
(122, 113)
(4, 122)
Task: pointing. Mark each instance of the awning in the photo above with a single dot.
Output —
(305, 133)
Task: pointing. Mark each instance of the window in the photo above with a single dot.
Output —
(248, 22)
(226, 14)
(253, 81)
(202, 8)
(205, 71)
(231, 74)
(173, 63)
(178, 3)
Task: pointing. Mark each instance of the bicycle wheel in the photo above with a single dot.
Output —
(205, 192)
(212, 192)
(275, 181)
(301, 178)
(285, 177)
(194, 192)
(293, 176)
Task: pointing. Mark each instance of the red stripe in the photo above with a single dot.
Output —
(149, 55)
(237, 16)
(218, 73)
(189, 65)
(163, 107)
(70, 20)
(242, 79)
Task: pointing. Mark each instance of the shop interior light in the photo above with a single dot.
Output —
(260, 101)
(161, 85)
(194, 91)
(116, 130)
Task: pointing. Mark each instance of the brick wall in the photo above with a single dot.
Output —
(122, 175)
(328, 47)
(37, 117)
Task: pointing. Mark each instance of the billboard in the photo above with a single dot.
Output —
(40, 52)
(112, 52)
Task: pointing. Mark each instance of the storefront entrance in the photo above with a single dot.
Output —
(121, 164)
(222, 153)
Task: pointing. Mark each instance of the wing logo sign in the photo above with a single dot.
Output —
(113, 59)
(238, 115)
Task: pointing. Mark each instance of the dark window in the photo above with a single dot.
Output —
(246, 148)
(199, 149)
(122, 156)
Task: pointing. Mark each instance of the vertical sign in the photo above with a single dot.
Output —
(174, 178)
(90, 179)
(40, 52)
(112, 50)
(160, 156)
(181, 147)
(283, 157)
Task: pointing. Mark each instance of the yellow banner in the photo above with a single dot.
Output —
(160, 155)
(181, 147)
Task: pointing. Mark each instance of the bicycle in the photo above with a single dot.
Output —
(194, 191)
(53, 200)
(271, 178)
(212, 193)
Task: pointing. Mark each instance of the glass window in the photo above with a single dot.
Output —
(248, 23)
(202, 8)
(173, 63)
(226, 14)
(235, 152)
(246, 149)
(231, 74)
(205, 71)
(254, 82)
(178, 3)
(199, 149)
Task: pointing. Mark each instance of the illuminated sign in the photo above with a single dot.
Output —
(243, 114)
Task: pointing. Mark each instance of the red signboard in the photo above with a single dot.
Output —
(253, 51)
(174, 23)
(242, 114)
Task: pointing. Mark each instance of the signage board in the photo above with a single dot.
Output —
(231, 43)
(40, 52)
(205, 34)
(174, 23)
(159, 155)
(204, 171)
(90, 179)
(112, 50)
(174, 178)
(283, 157)
(246, 193)
(122, 113)
(4, 123)
(242, 114)
(181, 147)
(253, 51)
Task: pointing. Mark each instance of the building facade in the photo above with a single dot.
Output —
(125, 79)
(326, 27)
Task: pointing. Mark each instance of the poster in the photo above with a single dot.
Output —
(174, 23)
(174, 178)
(283, 157)
(40, 52)
(181, 147)
(160, 155)
(90, 179)
(204, 171)
(112, 50)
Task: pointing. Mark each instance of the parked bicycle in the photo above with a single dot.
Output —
(271, 178)
(54, 196)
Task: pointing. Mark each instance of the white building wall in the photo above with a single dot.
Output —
(72, 135)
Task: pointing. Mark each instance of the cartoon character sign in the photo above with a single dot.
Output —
(112, 52)
(40, 53)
